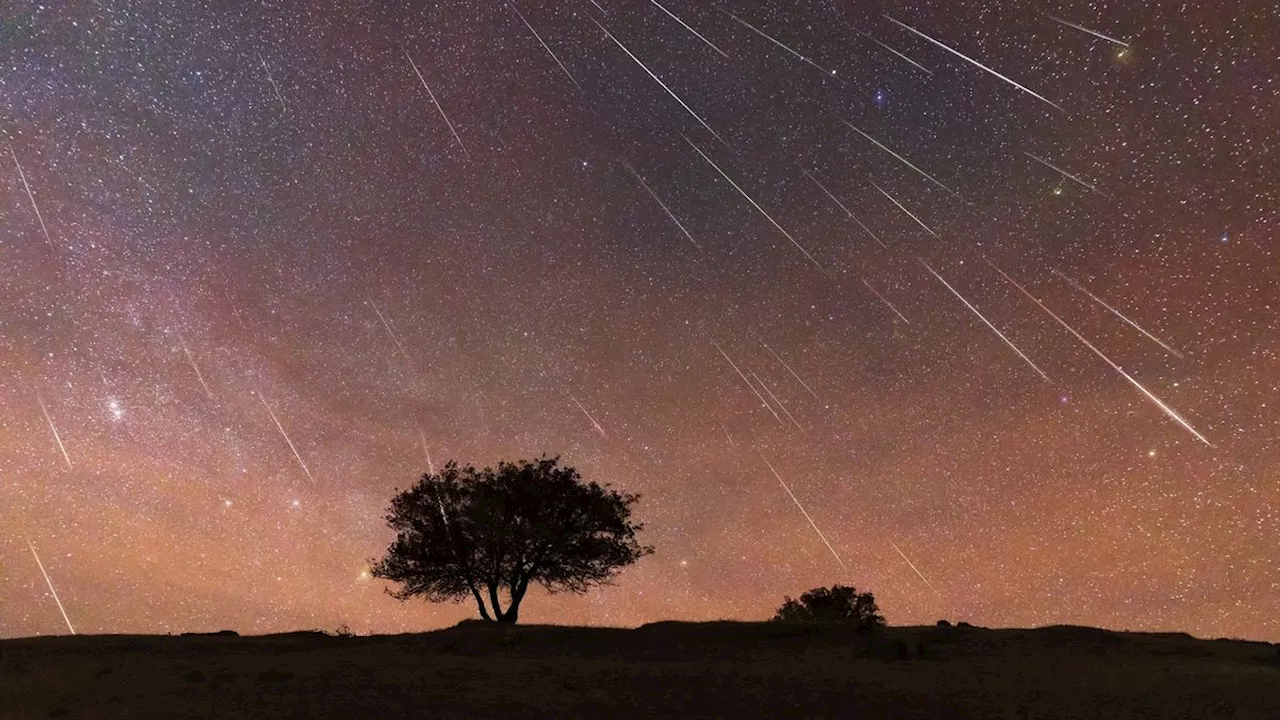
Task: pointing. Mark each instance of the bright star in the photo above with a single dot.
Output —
(117, 412)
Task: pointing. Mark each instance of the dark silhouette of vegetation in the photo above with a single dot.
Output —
(464, 531)
(837, 604)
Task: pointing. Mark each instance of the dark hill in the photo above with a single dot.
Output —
(662, 670)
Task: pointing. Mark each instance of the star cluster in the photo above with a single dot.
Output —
(965, 303)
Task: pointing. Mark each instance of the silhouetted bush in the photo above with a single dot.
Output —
(839, 604)
(943, 623)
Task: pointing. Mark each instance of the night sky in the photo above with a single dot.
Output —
(258, 274)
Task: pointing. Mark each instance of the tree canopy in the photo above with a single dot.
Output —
(839, 604)
(464, 530)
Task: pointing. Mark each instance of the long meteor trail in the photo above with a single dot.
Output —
(543, 43)
(1062, 172)
(846, 210)
(913, 567)
(784, 364)
(31, 196)
(806, 512)
(274, 86)
(1170, 412)
(54, 428)
(968, 59)
(734, 365)
(1117, 313)
(1082, 28)
(913, 63)
(426, 451)
(657, 79)
(885, 300)
(285, 435)
(981, 317)
(581, 407)
(779, 43)
(52, 592)
(435, 102)
(903, 208)
(661, 204)
(690, 29)
(390, 332)
(779, 402)
(192, 360)
(903, 160)
(755, 204)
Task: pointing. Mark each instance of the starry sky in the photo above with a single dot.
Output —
(965, 303)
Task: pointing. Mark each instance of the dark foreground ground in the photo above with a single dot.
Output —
(665, 670)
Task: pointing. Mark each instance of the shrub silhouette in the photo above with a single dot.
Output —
(838, 604)
(462, 530)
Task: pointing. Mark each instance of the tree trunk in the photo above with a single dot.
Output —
(511, 615)
(484, 612)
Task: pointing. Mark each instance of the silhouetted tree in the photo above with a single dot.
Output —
(839, 604)
(462, 531)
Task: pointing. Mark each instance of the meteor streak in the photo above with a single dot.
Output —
(544, 44)
(432, 95)
(670, 92)
(690, 29)
(806, 512)
(1170, 412)
(56, 436)
(784, 364)
(885, 300)
(755, 204)
(913, 567)
(779, 402)
(31, 196)
(1048, 164)
(903, 209)
(1082, 28)
(968, 59)
(1117, 313)
(235, 311)
(985, 320)
(846, 210)
(775, 41)
(430, 465)
(191, 359)
(52, 592)
(584, 412)
(776, 416)
(904, 161)
(274, 86)
(895, 52)
(744, 378)
(390, 332)
(661, 204)
(285, 435)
